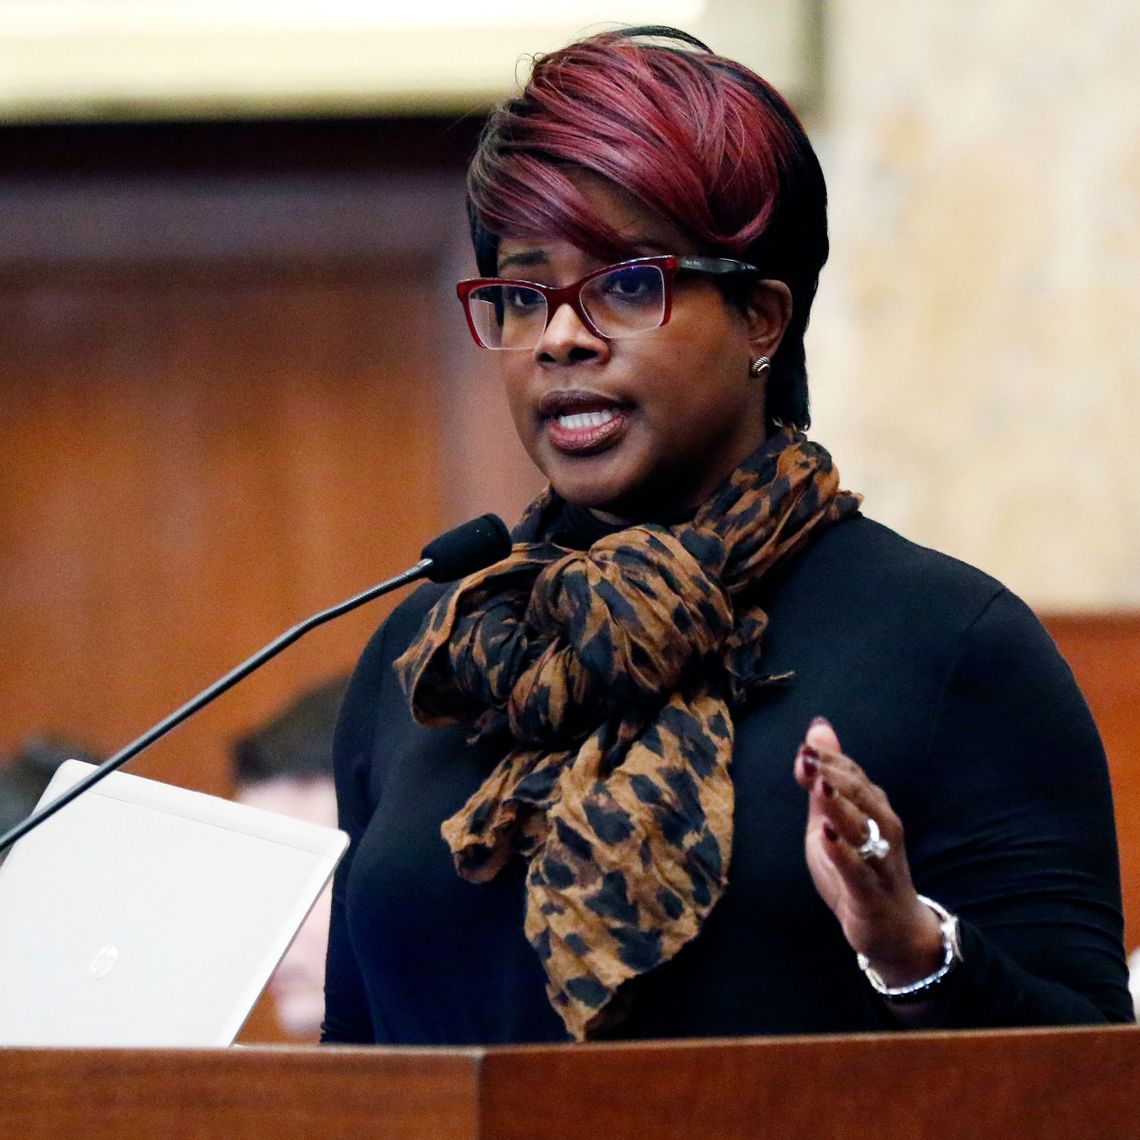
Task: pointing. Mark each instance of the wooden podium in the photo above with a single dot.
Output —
(1039, 1084)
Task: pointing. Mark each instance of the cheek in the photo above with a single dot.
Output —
(514, 388)
(709, 342)
(521, 407)
(701, 381)
(709, 407)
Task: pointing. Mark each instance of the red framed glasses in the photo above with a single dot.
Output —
(625, 299)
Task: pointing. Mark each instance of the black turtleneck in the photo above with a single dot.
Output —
(937, 680)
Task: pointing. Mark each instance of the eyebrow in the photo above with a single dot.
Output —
(528, 258)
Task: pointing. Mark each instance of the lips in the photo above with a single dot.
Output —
(583, 423)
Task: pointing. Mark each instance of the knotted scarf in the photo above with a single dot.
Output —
(615, 671)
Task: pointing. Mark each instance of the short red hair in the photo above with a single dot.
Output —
(700, 140)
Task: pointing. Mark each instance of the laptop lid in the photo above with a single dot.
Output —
(147, 915)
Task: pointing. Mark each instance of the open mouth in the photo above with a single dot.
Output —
(582, 423)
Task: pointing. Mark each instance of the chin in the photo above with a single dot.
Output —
(625, 504)
(582, 492)
(595, 500)
(623, 486)
(589, 494)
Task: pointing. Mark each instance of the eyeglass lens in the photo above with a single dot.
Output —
(626, 300)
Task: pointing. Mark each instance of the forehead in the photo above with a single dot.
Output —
(641, 230)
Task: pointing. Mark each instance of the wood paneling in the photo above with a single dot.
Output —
(223, 407)
(1062, 1085)
(283, 1094)
(1103, 650)
(234, 390)
(193, 462)
(1071, 1084)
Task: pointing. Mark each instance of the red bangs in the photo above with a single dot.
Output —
(685, 133)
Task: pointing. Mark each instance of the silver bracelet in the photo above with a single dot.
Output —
(951, 957)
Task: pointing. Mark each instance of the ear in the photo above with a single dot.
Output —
(767, 313)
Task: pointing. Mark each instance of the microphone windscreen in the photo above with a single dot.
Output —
(467, 548)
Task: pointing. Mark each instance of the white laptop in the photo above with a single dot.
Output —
(143, 914)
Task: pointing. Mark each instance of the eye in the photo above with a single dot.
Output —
(520, 300)
(632, 284)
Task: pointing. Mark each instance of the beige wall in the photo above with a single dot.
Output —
(975, 346)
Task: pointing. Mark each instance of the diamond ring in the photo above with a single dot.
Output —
(874, 846)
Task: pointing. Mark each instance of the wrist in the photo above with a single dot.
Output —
(910, 980)
(905, 961)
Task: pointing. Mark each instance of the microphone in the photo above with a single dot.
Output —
(464, 549)
(454, 554)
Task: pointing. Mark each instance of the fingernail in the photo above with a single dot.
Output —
(820, 722)
(828, 790)
(809, 751)
(810, 763)
(830, 832)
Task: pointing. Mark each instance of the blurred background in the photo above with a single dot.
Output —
(235, 386)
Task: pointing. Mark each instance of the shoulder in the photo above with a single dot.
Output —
(896, 643)
(865, 557)
(864, 589)
(915, 593)
(962, 664)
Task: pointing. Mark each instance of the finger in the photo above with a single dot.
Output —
(814, 751)
(816, 759)
(854, 826)
(845, 822)
(833, 761)
(854, 786)
(841, 792)
(821, 735)
(862, 878)
(806, 766)
(823, 779)
(821, 742)
(846, 817)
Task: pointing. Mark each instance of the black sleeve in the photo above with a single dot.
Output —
(1019, 838)
(347, 1017)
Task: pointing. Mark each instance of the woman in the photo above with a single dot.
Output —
(619, 728)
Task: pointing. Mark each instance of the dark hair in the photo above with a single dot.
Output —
(698, 139)
(25, 774)
(297, 743)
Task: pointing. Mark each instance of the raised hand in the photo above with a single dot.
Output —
(857, 858)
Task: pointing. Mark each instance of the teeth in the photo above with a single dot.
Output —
(581, 420)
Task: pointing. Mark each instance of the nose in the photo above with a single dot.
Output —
(568, 340)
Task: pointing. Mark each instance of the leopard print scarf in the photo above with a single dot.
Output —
(615, 670)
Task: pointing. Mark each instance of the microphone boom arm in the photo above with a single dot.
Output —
(420, 570)
(452, 555)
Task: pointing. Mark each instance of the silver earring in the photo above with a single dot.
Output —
(759, 366)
